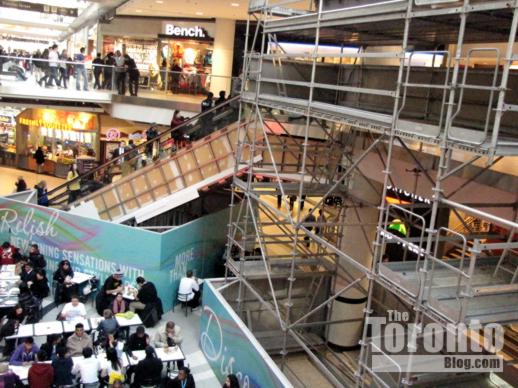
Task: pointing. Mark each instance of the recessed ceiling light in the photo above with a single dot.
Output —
(199, 13)
(234, 4)
(159, 1)
(138, 10)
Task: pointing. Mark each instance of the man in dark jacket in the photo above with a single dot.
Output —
(40, 286)
(36, 258)
(133, 75)
(148, 370)
(98, 69)
(147, 294)
(137, 341)
(62, 368)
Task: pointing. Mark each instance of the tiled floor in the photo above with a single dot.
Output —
(8, 176)
(196, 361)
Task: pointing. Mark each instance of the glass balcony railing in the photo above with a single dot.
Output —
(88, 76)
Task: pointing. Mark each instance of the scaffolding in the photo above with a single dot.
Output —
(292, 261)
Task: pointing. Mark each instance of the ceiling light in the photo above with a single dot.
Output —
(199, 13)
(138, 10)
(159, 1)
(234, 4)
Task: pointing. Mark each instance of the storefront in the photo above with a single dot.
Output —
(192, 49)
(114, 130)
(8, 135)
(64, 137)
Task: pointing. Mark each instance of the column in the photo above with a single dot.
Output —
(223, 55)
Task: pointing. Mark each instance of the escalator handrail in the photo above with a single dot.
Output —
(126, 154)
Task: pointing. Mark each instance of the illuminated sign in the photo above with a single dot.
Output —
(113, 134)
(46, 124)
(59, 120)
(185, 32)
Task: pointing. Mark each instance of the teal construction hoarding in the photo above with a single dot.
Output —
(99, 247)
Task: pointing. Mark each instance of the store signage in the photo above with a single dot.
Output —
(5, 119)
(113, 134)
(45, 124)
(36, 7)
(396, 192)
(185, 32)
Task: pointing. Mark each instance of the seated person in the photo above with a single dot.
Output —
(62, 365)
(184, 379)
(112, 286)
(9, 328)
(78, 341)
(41, 373)
(189, 290)
(137, 341)
(147, 294)
(119, 304)
(170, 335)
(9, 254)
(28, 274)
(111, 368)
(54, 342)
(17, 313)
(108, 326)
(148, 370)
(40, 286)
(73, 310)
(8, 378)
(25, 353)
(87, 368)
(63, 278)
(36, 258)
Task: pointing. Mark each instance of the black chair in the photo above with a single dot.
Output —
(183, 299)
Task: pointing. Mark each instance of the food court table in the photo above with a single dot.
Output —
(173, 354)
(70, 326)
(48, 328)
(80, 278)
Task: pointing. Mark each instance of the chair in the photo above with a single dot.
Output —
(184, 301)
(92, 289)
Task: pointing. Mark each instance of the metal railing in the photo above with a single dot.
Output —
(195, 127)
(116, 79)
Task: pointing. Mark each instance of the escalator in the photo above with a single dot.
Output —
(169, 170)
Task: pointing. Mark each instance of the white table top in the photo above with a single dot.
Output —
(8, 268)
(128, 296)
(22, 371)
(174, 354)
(70, 326)
(47, 328)
(23, 331)
(123, 322)
(94, 322)
(80, 277)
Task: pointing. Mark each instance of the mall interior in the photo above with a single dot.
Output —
(259, 193)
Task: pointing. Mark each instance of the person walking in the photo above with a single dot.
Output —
(74, 187)
(98, 70)
(44, 66)
(43, 198)
(120, 71)
(53, 67)
(133, 75)
(39, 156)
(206, 119)
(81, 70)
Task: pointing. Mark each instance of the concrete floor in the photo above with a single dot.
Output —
(8, 176)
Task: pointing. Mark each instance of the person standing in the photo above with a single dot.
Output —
(20, 185)
(53, 66)
(81, 70)
(123, 161)
(120, 71)
(39, 157)
(310, 218)
(133, 74)
(206, 119)
(151, 134)
(109, 63)
(98, 69)
(43, 198)
(63, 69)
(62, 365)
(74, 185)
(44, 66)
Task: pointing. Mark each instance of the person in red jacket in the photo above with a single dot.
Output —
(41, 375)
(9, 254)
